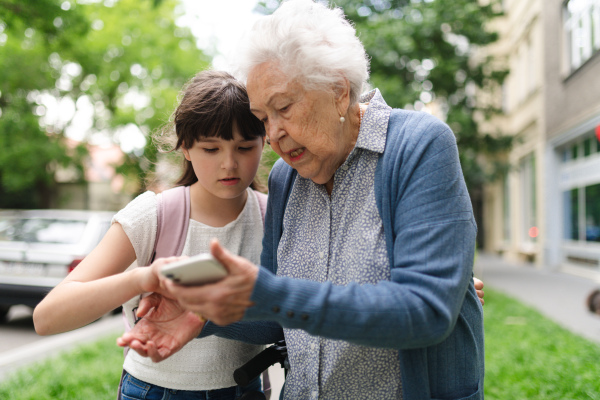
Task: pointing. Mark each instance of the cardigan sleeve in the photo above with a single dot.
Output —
(253, 332)
(430, 234)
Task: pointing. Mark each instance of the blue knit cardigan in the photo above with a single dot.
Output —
(429, 310)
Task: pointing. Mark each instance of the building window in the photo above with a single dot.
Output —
(582, 213)
(587, 146)
(527, 171)
(582, 30)
(592, 213)
(571, 214)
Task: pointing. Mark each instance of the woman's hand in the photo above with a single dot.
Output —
(479, 289)
(222, 302)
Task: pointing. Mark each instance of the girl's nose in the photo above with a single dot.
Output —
(229, 161)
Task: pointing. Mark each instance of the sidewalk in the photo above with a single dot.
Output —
(557, 295)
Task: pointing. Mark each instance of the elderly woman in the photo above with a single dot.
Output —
(368, 251)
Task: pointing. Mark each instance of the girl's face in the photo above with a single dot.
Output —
(225, 168)
(303, 125)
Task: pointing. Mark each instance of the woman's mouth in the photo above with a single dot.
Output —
(295, 154)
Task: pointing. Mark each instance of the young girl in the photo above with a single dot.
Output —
(222, 143)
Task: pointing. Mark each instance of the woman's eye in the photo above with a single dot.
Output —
(283, 109)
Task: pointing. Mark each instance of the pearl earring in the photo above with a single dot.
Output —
(342, 120)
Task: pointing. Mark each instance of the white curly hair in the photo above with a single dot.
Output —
(309, 42)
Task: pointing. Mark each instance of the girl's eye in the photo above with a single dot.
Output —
(246, 148)
(210, 150)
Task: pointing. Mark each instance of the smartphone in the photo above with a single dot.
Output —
(196, 270)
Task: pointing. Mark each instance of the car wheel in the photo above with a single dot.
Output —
(3, 313)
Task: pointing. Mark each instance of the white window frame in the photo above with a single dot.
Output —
(582, 30)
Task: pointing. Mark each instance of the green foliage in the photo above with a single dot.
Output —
(529, 357)
(422, 56)
(89, 372)
(127, 59)
(30, 156)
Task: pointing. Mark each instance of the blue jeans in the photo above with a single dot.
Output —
(135, 389)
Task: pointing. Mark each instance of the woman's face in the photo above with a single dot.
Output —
(303, 125)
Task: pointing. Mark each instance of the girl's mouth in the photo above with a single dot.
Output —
(230, 181)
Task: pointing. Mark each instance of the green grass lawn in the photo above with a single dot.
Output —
(530, 357)
(89, 372)
(527, 357)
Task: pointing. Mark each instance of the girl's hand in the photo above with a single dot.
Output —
(164, 329)
(151, 280)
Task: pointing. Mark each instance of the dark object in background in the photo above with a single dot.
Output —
(593, 302)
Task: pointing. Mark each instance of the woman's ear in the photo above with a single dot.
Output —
(342, 96)
(186, 154)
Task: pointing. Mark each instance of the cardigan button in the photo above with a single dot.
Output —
(290, 314)
(276, 309)
(304, 317)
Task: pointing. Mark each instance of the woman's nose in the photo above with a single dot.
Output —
(274, 132)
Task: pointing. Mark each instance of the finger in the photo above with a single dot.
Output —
(222, 255)
(125, 339)
(478, 283)
(139, 348)
(156, 354)
(146, 304)
(235, 265)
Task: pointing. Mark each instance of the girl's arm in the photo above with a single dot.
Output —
(95, 287)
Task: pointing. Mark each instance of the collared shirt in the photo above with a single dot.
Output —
(340, 239)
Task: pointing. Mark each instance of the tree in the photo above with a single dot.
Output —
(29, 155)
(125, 60)
(423, 56)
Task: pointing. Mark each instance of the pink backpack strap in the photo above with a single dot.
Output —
(173, 218)
(262, 203)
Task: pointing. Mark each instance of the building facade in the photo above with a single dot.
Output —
(547, 208)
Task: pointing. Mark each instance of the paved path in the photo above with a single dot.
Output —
(557, 295)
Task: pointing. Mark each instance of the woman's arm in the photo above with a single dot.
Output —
(96, 286)
(431, 251)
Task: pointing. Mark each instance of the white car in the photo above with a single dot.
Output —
(38, 248)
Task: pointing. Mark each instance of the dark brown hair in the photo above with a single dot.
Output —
(213, 103)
